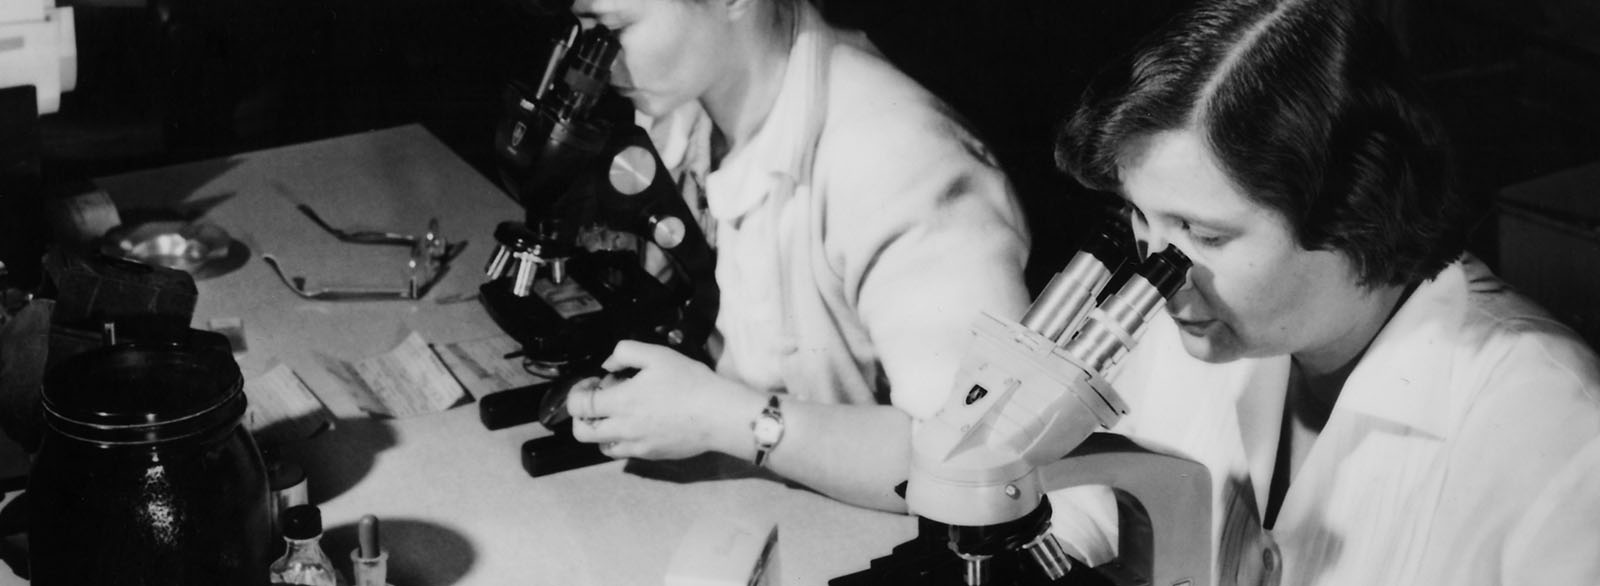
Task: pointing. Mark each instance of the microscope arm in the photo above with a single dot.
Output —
(1163, 506)
(1019, 403)
(1026, 393)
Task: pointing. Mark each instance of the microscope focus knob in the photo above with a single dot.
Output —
(667, 231)
(633, 169)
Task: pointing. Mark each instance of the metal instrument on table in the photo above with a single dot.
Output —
(1021, 421)
(570, 280)
(431, 254)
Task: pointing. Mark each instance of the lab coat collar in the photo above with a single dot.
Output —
(778, 157)
(1403, 378)
(1404, 375)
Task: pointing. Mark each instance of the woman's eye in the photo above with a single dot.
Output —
(1204, 238)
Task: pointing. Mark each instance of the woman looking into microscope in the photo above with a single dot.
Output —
(859, 230)
(1388, 410)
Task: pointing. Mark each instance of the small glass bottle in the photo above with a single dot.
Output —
(303, 562)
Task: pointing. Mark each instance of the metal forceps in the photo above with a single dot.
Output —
(430, 259)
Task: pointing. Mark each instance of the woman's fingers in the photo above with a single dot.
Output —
(583, 398)
(634, 355)
(593, 430)
(605, 434)
(620, 450)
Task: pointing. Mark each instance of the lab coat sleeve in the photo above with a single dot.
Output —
(1517, 462)
(1558, 540)
(924, 233)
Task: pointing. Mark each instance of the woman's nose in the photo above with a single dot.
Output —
(619, 71)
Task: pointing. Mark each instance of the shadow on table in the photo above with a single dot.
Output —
(705, 467)
(174, 211)
(338, 458)
(421, 553)
(169, 189)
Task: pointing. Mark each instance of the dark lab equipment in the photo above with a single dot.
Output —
(559, 452)
(569, 281)
(85, 300)
(546, 404)
(22, 232)
(512, 407)
(146, 475)
(551, 132)
(92, 289)
(927, 561)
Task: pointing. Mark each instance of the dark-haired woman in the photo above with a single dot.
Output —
(1384, 407)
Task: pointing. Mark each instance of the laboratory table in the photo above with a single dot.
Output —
(456, 506)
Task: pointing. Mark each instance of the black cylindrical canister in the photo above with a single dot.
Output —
(146, 475)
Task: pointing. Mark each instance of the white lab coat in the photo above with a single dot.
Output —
(858, 233)
(1463, 438)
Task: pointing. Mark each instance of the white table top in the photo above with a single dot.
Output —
(456, 506)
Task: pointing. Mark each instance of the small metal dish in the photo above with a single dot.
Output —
(201, 249)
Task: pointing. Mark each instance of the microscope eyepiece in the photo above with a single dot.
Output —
(588, 73)
(1116, 324)
(1072, 292)
(1110, 243)
(1166, 270)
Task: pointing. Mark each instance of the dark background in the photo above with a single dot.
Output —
(168, 81)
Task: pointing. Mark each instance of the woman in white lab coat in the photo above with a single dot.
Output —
(859, 229)
(1385, 407)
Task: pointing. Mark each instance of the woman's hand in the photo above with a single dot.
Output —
(672, 407)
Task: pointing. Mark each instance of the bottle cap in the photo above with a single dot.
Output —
(302, 522)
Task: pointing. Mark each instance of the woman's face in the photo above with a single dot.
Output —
(673, 51)
(1253, 291)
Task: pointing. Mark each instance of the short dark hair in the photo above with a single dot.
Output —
(1310, 110)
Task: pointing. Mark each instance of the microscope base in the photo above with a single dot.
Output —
(609, 297)
(928, 561)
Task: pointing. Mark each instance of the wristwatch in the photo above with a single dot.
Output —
(768, 429)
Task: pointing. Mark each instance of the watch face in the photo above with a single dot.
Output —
(768, 430)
